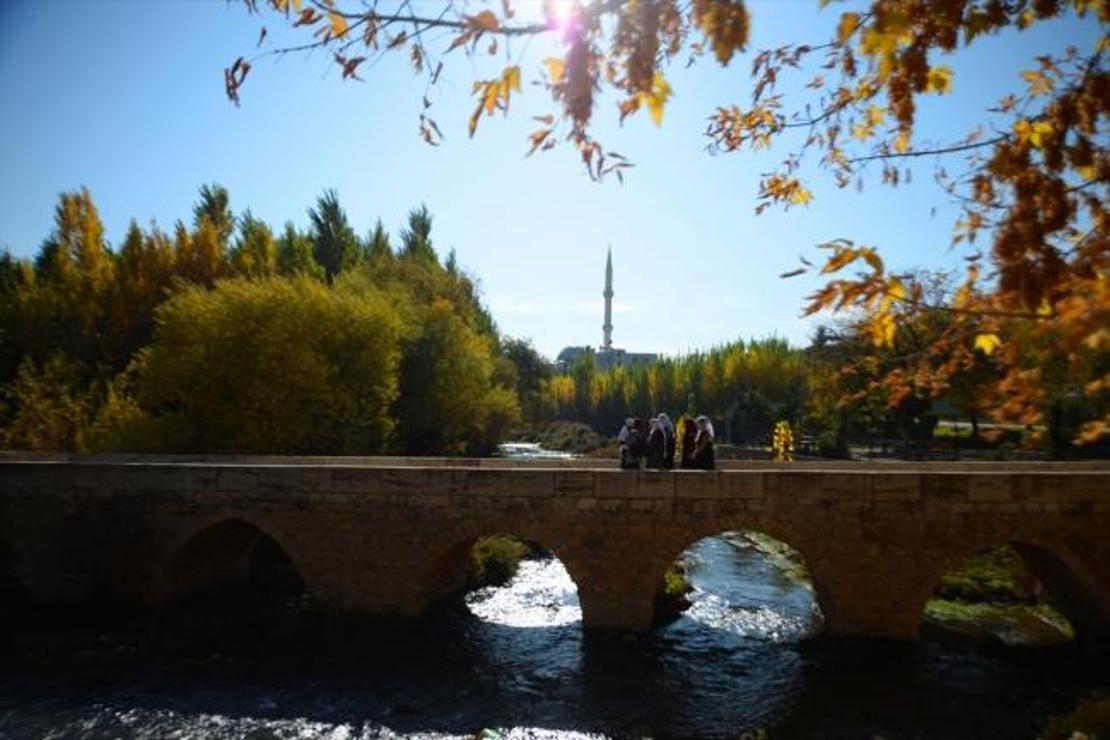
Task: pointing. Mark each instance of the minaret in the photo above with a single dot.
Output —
(607, 327)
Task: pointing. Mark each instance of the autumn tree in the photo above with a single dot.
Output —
(214, 207)
(279, 365)
(255, 253)
(1031, 178)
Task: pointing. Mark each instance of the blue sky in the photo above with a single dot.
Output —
(126, 97)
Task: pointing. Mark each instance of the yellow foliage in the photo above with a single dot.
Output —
(338, 25)
(1039, 82)
(556, 68)
(849, 22)
(657, 99)
(1032, 132)
(987, 343)
(940, 80)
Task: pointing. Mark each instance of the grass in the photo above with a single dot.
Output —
(993, 595)
(1036, 625)
(784, 557)
(997, 575)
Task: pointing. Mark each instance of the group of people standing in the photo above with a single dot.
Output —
(652, 443)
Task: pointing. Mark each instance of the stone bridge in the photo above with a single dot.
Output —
(390, 536)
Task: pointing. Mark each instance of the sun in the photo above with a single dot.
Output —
(561, 12)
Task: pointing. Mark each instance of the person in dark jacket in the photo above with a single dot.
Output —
(703, 458)
(656, 445)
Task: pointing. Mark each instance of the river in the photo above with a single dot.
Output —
(512, 662)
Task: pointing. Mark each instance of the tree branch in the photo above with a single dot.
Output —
(927, 152)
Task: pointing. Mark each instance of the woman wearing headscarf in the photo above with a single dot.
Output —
(622, 440)
(656, 445)
(703, 458)
(667, 426)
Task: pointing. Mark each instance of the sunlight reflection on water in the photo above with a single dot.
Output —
(541, 594)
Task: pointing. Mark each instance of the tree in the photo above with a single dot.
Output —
(416, 240)
(214, 207)
(1035, 186)
(296, 254)
(335, 243)
(274, 365)
(255, 252)
(377, 244)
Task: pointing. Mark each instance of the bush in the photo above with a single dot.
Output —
(494, 560)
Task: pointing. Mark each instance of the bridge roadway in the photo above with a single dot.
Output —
(390, 536)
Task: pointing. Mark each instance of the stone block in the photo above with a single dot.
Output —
(697, 484)
(741, 484)
(941, 487)
(988, 487)
(575, 483)
(895, 487)
(512, 482)
(236, 479)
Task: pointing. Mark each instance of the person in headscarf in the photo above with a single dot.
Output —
(622, 440)
(656, 445)
(688, 433)
(703, 458)
(667, 426)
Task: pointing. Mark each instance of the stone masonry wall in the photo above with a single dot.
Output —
(382, 537)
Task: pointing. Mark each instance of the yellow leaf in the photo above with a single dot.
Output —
(875, 115)
(1033, 133)
(555, 69)
(1039, 82)
(484, 21)
(896, 290)
(871, 258)
(512, 77)
(883, 328)
(939, 80)
(987, 343)
(849, 22)
(656, 100)
(840, 258)
(902, 143)
(338, 25)
(801, 196)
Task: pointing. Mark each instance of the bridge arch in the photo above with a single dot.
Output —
(232, 552)
(776, 547)
(13, 587)
(1064, 577)
(450, 571)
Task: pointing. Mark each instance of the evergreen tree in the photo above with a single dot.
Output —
(377, 244)
(296, 254)
(255, 253)
(214, 206)
(336, 245)
(416, 240)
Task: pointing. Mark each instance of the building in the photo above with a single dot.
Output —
(606, 356)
